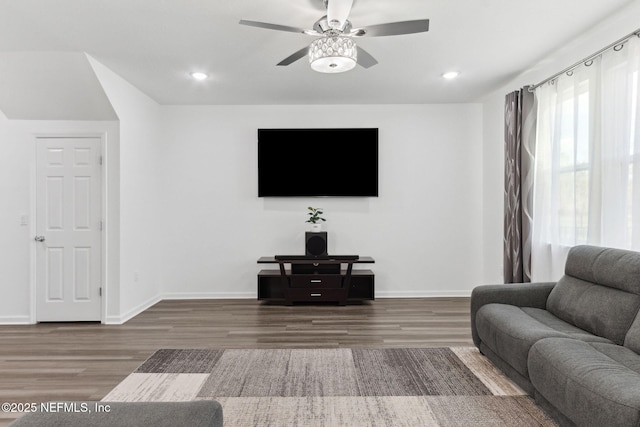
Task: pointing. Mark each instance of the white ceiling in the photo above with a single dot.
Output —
(155, 44)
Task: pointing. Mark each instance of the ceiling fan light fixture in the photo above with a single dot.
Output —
(333, 54)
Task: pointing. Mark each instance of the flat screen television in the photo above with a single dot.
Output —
(318, 162)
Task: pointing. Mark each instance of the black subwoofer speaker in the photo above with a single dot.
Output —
(315, 243)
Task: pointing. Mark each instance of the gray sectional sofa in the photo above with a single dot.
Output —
(575, 344)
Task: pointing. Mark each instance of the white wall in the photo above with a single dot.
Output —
(17, 190)
(185, 220)
(608, 31)
(424, 230)
(140, 226)
(14, 246)
(132, 192)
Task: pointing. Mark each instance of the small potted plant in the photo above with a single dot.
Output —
(315, 218)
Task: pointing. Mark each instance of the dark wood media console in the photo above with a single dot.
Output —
(312, 279)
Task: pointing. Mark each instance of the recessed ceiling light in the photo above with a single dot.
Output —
(450, 75)
(199, 76)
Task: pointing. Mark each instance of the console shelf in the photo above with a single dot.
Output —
(340, 285)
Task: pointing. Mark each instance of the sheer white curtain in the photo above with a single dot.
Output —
(587, 165)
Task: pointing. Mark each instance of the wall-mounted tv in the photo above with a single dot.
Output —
(318, 162)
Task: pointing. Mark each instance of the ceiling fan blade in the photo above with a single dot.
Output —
(294, 57)
(271, 26)
(338, 11)
(393, 28)
(365, 59)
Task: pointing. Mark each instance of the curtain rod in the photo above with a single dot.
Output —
(613, 45)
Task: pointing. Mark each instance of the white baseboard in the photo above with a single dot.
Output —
(119, 320)
(209, 295)
(15, 320)
(252, 295)
(422, 294)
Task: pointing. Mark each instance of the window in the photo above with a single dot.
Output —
(573, 167)
(587, 150)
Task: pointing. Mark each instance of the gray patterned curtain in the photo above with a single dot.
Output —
(519, 143)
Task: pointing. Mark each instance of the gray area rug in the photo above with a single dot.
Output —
(454, 386)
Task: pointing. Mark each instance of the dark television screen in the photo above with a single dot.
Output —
(318, 162)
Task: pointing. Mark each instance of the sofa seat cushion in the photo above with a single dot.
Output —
(593, 384)
(624, 356)
(510, 331)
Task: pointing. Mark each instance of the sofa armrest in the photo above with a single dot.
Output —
(518, 294)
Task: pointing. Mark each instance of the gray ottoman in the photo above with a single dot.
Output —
(201, 413)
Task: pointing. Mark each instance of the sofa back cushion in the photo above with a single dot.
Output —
(600, 291)
(632, 340)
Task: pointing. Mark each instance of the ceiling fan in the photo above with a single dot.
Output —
(335, 51)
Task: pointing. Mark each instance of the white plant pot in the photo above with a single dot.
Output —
(316, 227)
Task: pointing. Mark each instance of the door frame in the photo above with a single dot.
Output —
(102, 136)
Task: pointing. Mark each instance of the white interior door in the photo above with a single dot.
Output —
(68, 229)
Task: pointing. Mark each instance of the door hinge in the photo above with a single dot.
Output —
(101, 225)
(100, 291)
(100, 160)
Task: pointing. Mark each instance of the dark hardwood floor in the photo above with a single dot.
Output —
(84, 361)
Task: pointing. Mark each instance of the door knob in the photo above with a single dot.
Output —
(39, 239)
